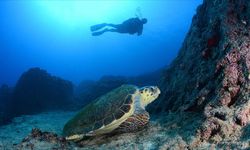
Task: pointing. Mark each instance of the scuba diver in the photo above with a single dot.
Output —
(131, 26)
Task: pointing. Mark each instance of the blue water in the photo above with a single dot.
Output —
(55, 36)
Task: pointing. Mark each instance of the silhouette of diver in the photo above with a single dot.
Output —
(131, 26)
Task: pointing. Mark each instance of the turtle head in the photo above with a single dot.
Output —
(148, 94)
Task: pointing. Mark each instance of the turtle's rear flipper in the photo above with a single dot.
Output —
(97, 27)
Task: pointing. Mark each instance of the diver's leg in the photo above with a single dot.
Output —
(103, 31)
(97, 27)
(111, 30)
(112, 25)
(117, 28)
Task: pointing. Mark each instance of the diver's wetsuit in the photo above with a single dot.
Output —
(131, 26)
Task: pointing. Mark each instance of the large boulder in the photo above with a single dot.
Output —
(211, 74)
(38, 91)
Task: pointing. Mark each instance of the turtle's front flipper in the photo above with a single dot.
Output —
(77, 137)
(135, 122)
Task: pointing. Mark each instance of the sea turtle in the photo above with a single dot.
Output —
(121, 110)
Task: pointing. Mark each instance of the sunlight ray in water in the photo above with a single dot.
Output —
(76, 12)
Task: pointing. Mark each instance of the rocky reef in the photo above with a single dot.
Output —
(211, 74)
(37, 91)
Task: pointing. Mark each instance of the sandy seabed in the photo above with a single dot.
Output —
(170, 131)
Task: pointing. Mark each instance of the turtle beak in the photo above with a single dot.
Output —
(157, 91)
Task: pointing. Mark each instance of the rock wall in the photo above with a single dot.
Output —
(211, 74)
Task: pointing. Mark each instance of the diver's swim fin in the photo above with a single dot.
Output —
(98, 33)
(97, 27)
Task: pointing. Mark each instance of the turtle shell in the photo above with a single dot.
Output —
(101, 111)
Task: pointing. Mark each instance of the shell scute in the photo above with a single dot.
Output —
(129, 99)
(98, 125)
(125, 108)
(109, 119)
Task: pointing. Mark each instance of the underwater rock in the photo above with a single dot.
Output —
(211, 74)
(37, 91)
